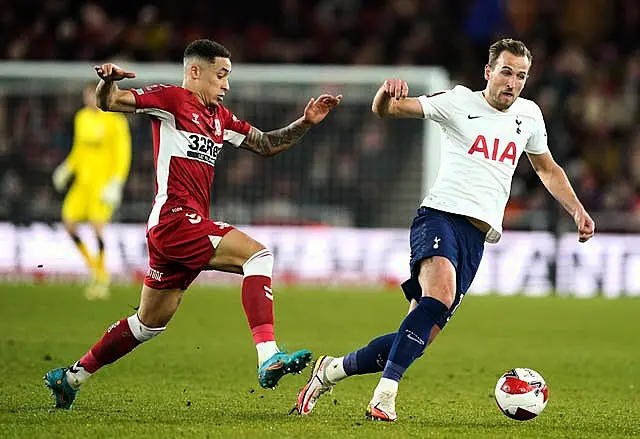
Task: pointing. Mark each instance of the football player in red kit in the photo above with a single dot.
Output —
(190, 126)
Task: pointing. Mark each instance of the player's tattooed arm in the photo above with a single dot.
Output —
(273, 142)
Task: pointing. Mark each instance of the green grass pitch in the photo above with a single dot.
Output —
(199, 378)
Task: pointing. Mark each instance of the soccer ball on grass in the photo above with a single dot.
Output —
(521, 394)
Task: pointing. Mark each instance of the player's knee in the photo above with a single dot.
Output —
(446, 297)
(142, 332)
(442, 294)
(437, 310)
(259, 264)
(437, 279)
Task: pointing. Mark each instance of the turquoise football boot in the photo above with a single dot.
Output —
(64, 394)
(280, 364)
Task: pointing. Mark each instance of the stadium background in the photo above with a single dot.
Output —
(353, 171)
(361, 179)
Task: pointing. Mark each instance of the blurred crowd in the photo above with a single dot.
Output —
(585, 77)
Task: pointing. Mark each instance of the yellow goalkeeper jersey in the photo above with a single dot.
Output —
(101, 147)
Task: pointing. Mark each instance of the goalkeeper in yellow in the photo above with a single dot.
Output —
(99, 163)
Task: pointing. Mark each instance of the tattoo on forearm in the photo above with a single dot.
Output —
(273, 142)
(104, 92)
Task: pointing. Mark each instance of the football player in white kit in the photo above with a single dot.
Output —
(483, 134)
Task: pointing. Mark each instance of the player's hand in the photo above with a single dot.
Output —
(112, 72)
(61, 177)
(112, 194)
(586, 225)
(396, 88)
(317, 109)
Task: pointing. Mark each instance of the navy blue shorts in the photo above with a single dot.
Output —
(438, 233)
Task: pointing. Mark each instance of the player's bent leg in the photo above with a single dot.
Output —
(156, 309)
(238, 253)
(233, 250)
(437, 278)
(328, 371)
(436, 329)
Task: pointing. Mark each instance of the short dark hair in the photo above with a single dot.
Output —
(507, 44)
(207, 50)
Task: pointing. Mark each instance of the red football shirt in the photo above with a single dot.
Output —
(187, 138)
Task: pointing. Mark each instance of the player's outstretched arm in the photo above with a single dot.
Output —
(391, 100)
(108, 95)
(555, 180)
(273, 142)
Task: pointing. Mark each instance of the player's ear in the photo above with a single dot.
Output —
(195, 71)
(487, 71)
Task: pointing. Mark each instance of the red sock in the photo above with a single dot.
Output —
(257, 301)
(116, 342)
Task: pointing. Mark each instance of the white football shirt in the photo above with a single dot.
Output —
(479, 150)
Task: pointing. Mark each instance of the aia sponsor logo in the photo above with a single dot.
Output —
(497, 152)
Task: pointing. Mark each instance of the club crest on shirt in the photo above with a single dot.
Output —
(217, 128)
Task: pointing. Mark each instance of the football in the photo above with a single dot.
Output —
(521, 394)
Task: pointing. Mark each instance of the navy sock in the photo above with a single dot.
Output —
(413, 336)
(371, 358)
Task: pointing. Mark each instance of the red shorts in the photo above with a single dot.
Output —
(180, 247)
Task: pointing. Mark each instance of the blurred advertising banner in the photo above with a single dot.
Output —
(530, 263)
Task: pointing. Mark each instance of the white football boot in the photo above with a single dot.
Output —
(316, 386)
(382, 407)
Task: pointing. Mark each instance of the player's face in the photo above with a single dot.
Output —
(506, 80)
(214, 81)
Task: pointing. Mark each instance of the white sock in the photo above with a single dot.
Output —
(266, 349)
(386, 385)
(334, 371)
(76, 375)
